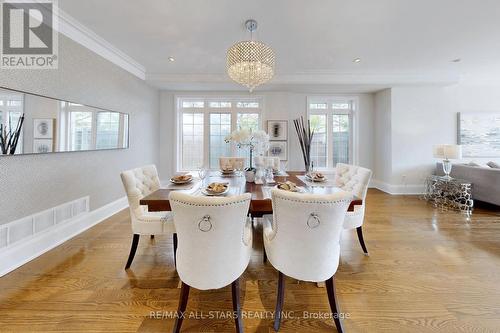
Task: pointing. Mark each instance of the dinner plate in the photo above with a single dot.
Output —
(181, 181)
(300, 189)
(316, 180)
(212, 194)
(227, 172)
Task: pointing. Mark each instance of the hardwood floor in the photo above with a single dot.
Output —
(428, 271)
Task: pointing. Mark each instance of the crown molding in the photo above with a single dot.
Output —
(71, 28)
(308, 78)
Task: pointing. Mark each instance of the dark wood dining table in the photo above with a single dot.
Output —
(260, 203)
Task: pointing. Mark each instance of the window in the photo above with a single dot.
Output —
(193, 104)
(341, 138)
(83, 127)
(12, 119)
(332, 121)
(319, 151)
(125, 130)
(247, 104)
(192, 140)
(11, 110)
(108, 130)
(80, 130)
(220, 127)
(205, 123)
(219, 104)
(317, 106)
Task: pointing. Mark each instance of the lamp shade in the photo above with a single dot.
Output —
(446, 152)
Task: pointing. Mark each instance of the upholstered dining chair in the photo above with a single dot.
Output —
(139, 183)
(215, 244)
(314, 222)
(231, 162)
(354, 179)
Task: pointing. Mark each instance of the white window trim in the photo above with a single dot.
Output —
(206, 124)
(354, 123)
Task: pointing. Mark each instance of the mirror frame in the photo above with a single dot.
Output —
(67, 101)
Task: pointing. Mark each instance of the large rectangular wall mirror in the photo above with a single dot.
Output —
(52, 125)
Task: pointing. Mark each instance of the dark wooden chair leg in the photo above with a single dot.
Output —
(332, 298)
(361, 240)
(174, 237)
(152, 236)
(235, 288)
(279, 301)
(135, 241)
(183, 299)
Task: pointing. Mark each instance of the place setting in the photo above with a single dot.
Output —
(215, 189)
(183, 181)
(316, 179)
(287, 186)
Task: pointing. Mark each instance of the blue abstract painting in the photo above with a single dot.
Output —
(479, 134)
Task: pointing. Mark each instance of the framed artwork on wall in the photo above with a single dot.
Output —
(479, 134)
(41, 146)
(277, 130)
(279, 149)
(43, 128)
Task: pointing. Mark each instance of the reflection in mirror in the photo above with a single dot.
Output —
(52, 125)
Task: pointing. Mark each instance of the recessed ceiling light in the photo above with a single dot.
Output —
(171, 59)
(357, 60)
(456, 60)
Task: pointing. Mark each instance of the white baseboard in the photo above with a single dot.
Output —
(19, 254)
(410, 189)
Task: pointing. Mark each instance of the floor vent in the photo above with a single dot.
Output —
(30, 226)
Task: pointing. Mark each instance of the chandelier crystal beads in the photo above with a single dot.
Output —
(250, 63)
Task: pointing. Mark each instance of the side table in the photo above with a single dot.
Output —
(449, 193)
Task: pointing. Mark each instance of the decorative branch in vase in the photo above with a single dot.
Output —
(257, 142)
(9, 139)
(305, 134)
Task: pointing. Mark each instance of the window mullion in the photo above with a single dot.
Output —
(329, 130)
(234, 122)
(206, 137)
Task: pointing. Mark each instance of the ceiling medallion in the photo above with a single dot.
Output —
(250, 63)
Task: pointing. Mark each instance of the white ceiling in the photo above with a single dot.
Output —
(399, 41)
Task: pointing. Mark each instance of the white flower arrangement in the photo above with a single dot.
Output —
(242, 136)
(245, 137)
(257, 141)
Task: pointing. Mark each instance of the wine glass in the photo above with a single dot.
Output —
(239, 168)
(268, 175)
(202, 173)
(284, 169)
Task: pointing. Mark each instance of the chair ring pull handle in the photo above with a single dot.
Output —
(205, 224)
(313, 221)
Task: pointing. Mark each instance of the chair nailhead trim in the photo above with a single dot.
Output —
(210, 205)
(314, 201)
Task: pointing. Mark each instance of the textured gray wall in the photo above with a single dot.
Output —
(32, 183)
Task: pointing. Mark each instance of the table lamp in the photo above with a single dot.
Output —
(447, 152)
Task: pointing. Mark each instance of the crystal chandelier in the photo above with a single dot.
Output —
(250, 63)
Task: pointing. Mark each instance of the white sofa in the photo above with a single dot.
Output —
(485, 181)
